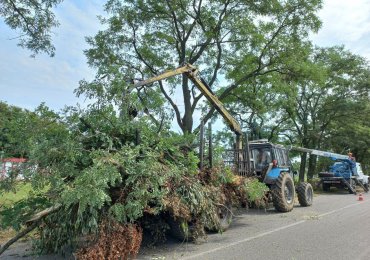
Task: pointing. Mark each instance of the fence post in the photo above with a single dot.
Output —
(246, 147)
(201, 143)
(210, 145)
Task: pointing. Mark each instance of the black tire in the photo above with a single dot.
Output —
(225, 216)
(305, 194)
(283, 193)
(325, 187)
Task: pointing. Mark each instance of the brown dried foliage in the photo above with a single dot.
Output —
(227, 191)
(176, 207)
(116, 241)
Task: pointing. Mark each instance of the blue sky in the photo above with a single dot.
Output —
(26, 81)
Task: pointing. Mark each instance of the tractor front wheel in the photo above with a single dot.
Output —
(283, 193)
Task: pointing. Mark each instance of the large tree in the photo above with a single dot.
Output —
(232, 42)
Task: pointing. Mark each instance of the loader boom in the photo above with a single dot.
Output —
(191, 72)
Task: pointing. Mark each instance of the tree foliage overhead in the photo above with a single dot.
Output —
(33, 19)
(234, 40)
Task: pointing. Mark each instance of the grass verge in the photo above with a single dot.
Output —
(9, 198)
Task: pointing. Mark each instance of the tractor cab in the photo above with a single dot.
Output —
(361, 176)
(269, 160)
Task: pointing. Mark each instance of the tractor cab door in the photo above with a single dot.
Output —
(262, 157)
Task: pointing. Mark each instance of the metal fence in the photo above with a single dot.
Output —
(237, 160)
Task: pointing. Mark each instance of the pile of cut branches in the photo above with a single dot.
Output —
(110, 202)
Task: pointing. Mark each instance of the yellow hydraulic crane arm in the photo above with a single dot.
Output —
(191, 72)
(167, 74)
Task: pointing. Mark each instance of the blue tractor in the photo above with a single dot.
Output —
(272, 166)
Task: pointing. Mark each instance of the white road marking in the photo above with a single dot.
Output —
(197, 256)
(340, 209)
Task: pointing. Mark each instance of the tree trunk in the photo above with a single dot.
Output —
(187, 120)
(302, 168)
(311, 166)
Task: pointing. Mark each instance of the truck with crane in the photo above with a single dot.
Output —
(345, 172)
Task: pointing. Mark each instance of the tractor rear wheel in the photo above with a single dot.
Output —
(283, 193)
(305, 194)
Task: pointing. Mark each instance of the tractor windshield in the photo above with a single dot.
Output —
(262, 157)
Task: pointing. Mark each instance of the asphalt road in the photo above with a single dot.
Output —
(337, 226)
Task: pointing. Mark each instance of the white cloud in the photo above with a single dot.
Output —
(345, 23)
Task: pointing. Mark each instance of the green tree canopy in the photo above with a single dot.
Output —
(33, 19)
(18, 127)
